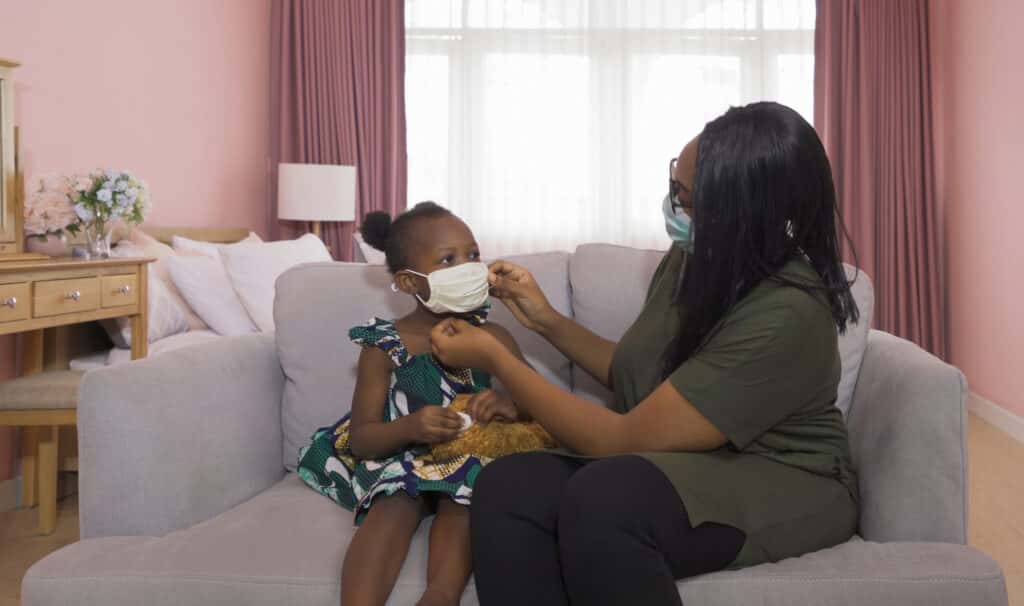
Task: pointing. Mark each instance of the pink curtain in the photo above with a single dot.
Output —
(872, 108)
(338, 97)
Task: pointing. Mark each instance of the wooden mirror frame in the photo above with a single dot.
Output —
(12, 236)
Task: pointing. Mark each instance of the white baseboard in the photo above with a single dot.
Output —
(10, 494)
(996, 415)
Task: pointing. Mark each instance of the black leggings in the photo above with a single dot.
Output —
(551, 530)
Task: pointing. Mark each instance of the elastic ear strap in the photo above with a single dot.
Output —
(394, 285)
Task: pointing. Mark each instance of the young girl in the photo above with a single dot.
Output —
(376, 460)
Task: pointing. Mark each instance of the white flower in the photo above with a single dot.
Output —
(104, 195)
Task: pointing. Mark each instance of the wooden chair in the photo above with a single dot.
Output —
(41, 404)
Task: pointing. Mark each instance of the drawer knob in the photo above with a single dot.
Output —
(74, 295)
(11, 302)
(124, 289)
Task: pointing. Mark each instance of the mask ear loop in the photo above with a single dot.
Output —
(394, 285)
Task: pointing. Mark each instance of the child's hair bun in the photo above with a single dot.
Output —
(376, 229)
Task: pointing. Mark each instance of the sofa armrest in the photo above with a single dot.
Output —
(908, 434)
(173, 440)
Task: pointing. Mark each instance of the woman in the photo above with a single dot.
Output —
(724, 448)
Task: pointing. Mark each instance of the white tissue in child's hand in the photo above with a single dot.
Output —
(467, 422)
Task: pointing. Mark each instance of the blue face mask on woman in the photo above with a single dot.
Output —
(677, 224)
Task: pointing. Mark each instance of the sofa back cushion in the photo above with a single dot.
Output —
(609, 284)
(317, 303)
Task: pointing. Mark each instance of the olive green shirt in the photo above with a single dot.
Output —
(767, 378)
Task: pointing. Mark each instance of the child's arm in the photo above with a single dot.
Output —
(370, 437)
(506, 339)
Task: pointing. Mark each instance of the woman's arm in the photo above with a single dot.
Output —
(521, 294)
(372, 438)
(664, 421)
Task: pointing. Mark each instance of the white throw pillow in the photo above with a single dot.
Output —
(254, 268)
(181, 244)
(165, 317)
(854, 342)
(141, 244)
(205, 285)
(166, 313)
(370, 254)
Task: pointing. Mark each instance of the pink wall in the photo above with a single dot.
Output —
(175, 91)
(979, 94)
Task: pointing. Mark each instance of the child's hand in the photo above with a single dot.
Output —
(434, 424)
(489, 405)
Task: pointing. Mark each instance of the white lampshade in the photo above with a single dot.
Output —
(316, 192)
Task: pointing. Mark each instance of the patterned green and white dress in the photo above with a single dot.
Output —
(328, 465)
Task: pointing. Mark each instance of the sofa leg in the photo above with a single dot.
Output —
(29, 466)
(48, 443)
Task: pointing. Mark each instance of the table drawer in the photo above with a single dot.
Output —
(14, 301)
(56, 297)
(118, 291)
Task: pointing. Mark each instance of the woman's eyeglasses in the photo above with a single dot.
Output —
(674, 187)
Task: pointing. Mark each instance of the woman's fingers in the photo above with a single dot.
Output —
(506, 278)
(505, 268)
(440, 332)
(504, 287)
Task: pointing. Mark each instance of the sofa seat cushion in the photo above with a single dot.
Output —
(285, 546)
(860, 572)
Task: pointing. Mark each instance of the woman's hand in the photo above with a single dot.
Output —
(489, 405)
(521, 294)
(434, 425)
(459, 344)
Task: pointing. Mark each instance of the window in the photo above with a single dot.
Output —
(549, 123)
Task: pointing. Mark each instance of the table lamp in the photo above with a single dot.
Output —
(315, 193)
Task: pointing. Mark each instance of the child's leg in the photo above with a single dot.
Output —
(378, 549)
(451, 559)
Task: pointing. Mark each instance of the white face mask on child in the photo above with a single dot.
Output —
(458, 290)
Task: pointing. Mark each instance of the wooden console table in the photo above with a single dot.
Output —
(40, 294)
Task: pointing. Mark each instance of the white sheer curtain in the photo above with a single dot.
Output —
(548, 123)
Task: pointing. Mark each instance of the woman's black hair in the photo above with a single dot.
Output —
(762, 196)
(391, 236)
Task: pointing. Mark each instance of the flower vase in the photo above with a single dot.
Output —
(51, 245)
(97, 236)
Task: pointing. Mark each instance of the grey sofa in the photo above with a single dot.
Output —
(187, 495)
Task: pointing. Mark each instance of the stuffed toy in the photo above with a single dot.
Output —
(493, 440)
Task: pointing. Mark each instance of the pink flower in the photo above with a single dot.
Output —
(49, 208)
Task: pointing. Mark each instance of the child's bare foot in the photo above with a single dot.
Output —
(434, 596)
